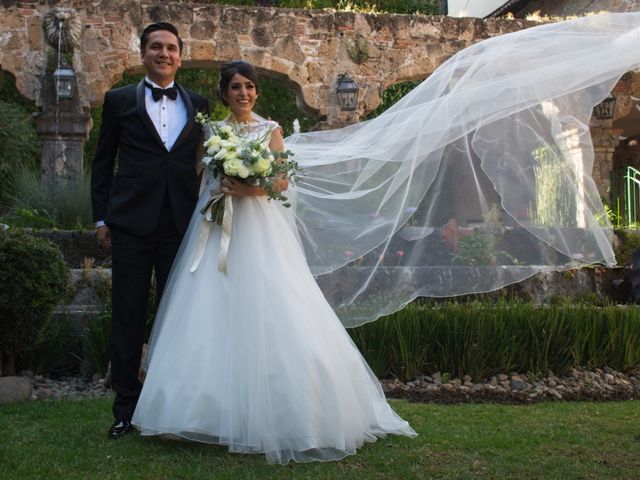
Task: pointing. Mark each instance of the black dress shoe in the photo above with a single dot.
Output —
(120, 428)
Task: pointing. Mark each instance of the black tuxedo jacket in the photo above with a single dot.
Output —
(132, 196)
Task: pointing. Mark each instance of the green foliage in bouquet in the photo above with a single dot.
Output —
(33, 279)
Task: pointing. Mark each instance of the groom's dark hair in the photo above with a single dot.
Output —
(154, 27)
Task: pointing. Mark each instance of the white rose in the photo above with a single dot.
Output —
(212, 141)
(262, 166)
(226, 129)
(221, 154)
(212, 150)
(243, 171)
(232, 167)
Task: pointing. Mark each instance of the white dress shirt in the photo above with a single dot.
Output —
(168, 116)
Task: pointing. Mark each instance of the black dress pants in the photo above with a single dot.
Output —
(133, 259)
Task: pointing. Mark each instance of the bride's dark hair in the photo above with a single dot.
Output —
(229, 69)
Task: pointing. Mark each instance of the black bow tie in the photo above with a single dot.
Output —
(157, 93)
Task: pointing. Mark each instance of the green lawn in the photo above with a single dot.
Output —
(67, 440)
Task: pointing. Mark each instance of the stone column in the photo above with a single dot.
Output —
(605, 139)
(64, 124)
(63, 135)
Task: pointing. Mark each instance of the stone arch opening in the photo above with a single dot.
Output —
(9, 91)
(392, 94)
(17, 116)
(281, 100)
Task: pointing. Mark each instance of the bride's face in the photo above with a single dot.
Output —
(241, 95)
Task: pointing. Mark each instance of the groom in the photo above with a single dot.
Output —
(142, 208)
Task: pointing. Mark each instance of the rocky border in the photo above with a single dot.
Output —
(580, 384)
(73, 388)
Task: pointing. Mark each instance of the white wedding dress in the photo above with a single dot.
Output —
(256, 359)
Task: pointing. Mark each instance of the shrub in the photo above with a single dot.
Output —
(628, 244)
(96, 344)
(33, 279)
(481, 340)
(65, 204)
(56, 350)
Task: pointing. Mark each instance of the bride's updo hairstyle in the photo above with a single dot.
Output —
(228, 70)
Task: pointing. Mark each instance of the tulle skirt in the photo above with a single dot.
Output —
(256, 359)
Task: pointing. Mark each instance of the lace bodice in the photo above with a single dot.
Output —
(258, 127)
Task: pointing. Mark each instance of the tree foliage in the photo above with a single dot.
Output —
(391, 95)
(19, 142)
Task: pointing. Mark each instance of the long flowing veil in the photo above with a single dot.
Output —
(478, 178)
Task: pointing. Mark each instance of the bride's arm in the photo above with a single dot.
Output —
(277, 145)
(237, 188)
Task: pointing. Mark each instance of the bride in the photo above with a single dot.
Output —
(255, 358)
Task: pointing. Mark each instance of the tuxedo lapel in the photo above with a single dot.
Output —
(190, 117)
(142, 111)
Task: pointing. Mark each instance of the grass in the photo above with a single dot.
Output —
(67, 440)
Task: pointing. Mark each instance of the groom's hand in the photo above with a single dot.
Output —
(104, 237)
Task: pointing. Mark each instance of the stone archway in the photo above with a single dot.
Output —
(307, 49)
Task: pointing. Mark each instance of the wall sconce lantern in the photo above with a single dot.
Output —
(347, 92)
(64, 79)
(604, 110)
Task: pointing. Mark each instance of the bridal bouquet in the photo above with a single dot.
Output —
(244, 159)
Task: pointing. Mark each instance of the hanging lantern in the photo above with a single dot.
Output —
(64, 79)
(604, 110)
(347, 92)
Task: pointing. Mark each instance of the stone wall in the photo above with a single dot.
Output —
(306, 49)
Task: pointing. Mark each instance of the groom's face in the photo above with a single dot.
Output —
(161, 57)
